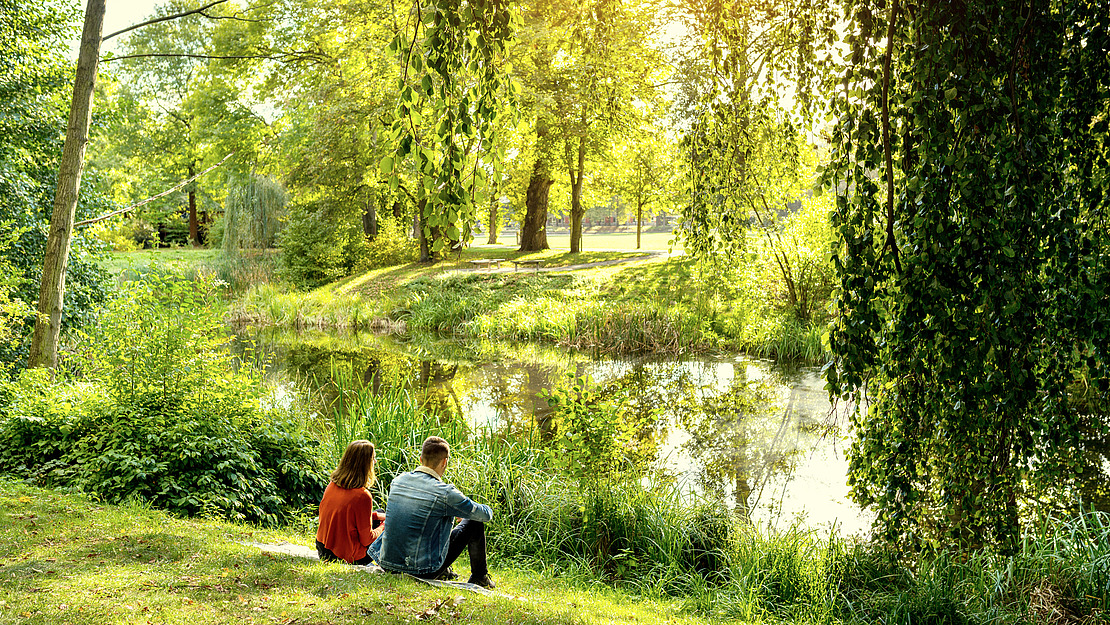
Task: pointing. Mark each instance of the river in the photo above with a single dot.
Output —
(759, 437)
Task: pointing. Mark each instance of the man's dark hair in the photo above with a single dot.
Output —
(434, 450)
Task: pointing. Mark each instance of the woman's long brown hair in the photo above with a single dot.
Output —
(356, 468)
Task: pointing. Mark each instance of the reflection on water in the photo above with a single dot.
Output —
(761, 438)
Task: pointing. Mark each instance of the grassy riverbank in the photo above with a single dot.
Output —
(644, 304)
(602, 301)
(65, 558)
(151, 409)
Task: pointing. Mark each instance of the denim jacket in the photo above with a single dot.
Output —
(418, 519)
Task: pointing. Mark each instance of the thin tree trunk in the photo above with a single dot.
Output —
(576, 210)
(370, 217)
(425, 249)
(639, 222)
(48, 323)
(370, 222)
(194, 227)
(533, 231)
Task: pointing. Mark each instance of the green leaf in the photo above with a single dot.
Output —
(386, 165)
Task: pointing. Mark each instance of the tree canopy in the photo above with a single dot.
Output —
(35, 86)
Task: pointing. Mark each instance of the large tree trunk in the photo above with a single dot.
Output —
(493, 220)
(533, 231)
(194, 226)
(576, 209)
(48, 323)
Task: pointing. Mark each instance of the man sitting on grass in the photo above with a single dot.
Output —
(418, 538)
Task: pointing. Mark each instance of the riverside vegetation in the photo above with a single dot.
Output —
(642, 306)
(190, 435)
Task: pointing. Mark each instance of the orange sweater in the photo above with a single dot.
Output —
(346, 520)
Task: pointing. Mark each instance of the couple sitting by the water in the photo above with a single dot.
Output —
(416, 534)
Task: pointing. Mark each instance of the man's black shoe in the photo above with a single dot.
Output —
(448, 575)
(483, 581)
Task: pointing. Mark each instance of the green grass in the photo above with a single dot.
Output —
(237, 273)
(599, 238)
(650, 304)
(66, 559)
(118, 262)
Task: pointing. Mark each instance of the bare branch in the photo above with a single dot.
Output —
(162, 19)
(283, 56)
(150, 199)
(230, 17)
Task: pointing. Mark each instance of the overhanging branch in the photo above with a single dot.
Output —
(284, 56)
(162, 19)
(94, 220)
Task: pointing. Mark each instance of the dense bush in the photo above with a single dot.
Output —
(392, 246)
(153, 410)
(319, 245)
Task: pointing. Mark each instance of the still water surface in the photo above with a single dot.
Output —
(759, 437)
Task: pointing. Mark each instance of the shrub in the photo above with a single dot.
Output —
(392, 246)
(156, 412)
(119, 236)
(12, 310)
(320, 245)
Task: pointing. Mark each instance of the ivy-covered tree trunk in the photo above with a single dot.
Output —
(533, 231)
(48, 324)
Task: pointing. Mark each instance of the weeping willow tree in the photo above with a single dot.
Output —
(252, 213)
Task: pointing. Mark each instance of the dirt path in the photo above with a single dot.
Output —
(649, 255)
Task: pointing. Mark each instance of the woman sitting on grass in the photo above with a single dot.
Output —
(348, 522)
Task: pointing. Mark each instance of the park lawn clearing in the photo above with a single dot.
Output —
(142, 261)
(66, 559)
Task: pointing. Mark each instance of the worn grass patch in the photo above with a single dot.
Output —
(65, 559)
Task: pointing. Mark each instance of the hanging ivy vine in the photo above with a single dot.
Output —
(970, 163)
(453, 90)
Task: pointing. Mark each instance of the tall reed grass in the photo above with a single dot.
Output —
(652, 539)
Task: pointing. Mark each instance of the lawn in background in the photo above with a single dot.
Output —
(117, 262)
(622, 239)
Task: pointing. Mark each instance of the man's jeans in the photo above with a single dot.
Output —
(472, 535)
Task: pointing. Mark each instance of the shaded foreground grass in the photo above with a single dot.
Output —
(64, 558)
